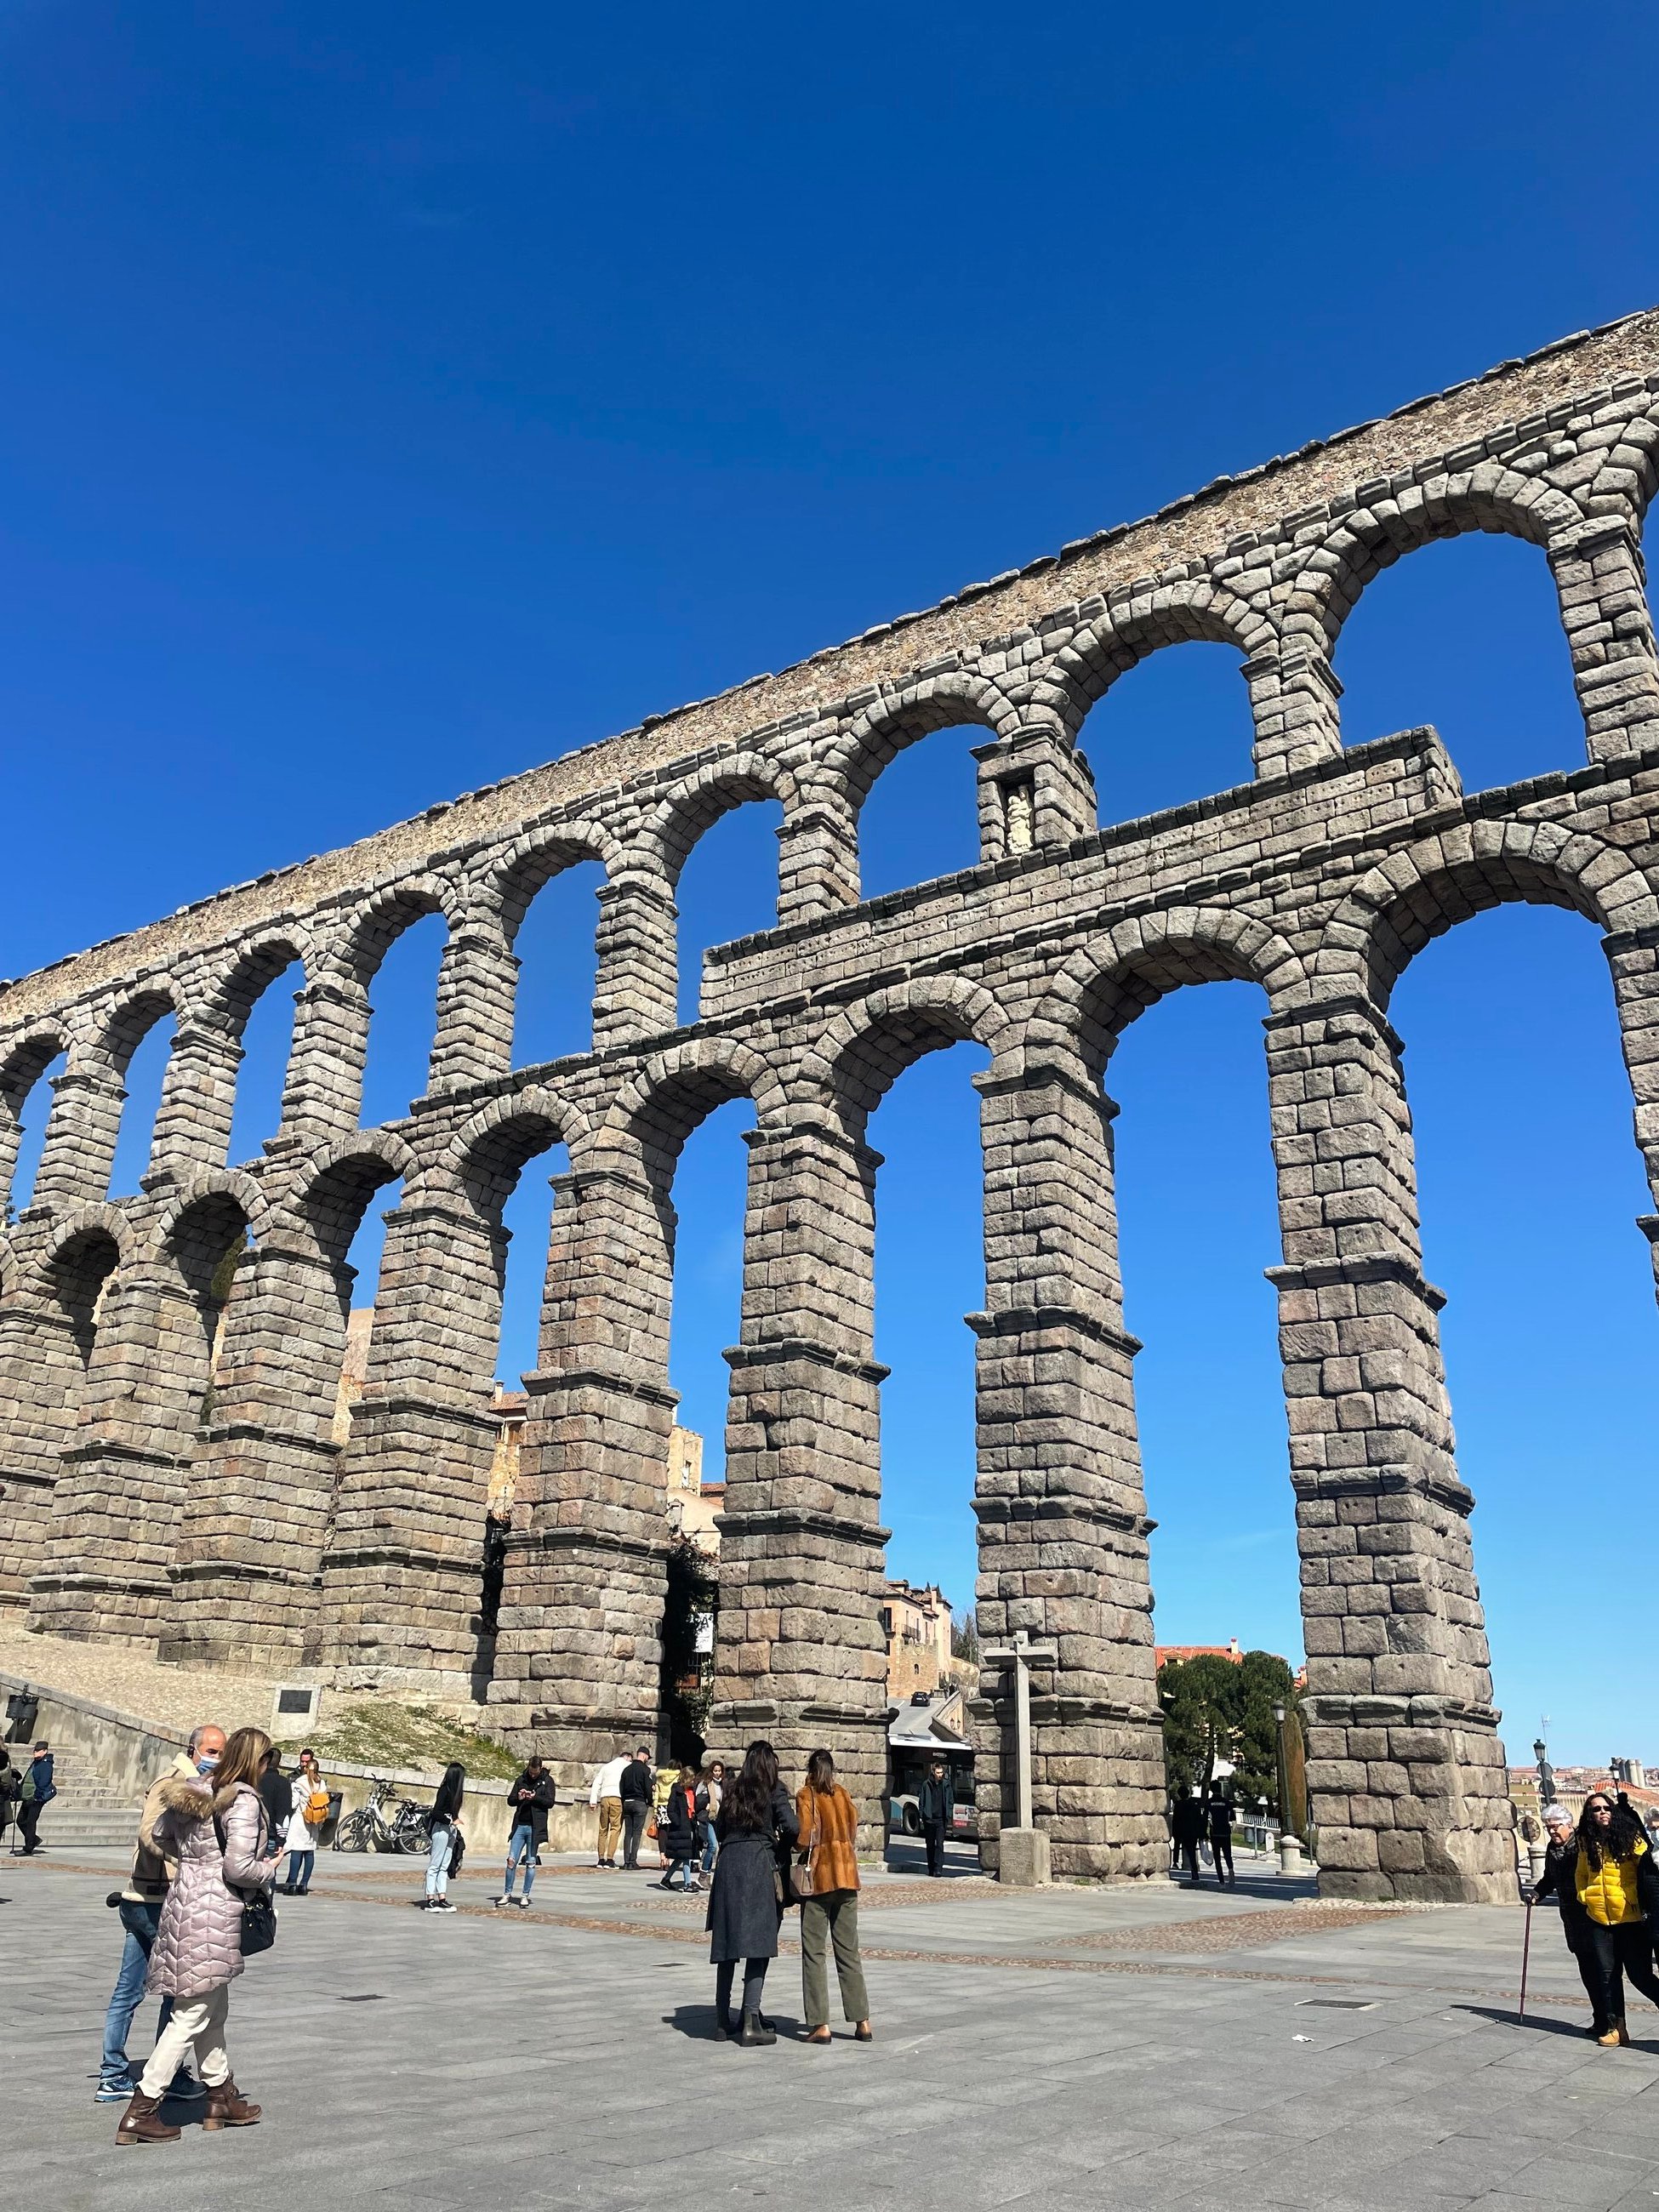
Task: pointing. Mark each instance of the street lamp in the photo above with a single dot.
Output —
(1546, 1773)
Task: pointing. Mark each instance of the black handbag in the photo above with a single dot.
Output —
(258, 1929)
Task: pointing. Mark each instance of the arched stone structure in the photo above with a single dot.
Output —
(1316, 880)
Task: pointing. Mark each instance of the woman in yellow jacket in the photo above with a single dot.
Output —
(1618, 1886)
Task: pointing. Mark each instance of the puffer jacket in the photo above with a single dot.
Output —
(198, 1943)
(1619, 1892)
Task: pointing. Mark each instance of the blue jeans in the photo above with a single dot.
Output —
(711, 1850)
(140, 1923)
(521, 1845)
(300, 1866)
(437, 1860)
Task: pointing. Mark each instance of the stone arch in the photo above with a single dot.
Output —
(1416, 895)
(1103, 988)
(1628, 477)
(512, 876)
(868, 1046)
(25, 1060)
(665, 839)
(1489, 498)
(126, 1022)
(858, 755)
(488, 1155)
(332, 1196)
(672, 1093)
(106, 1221)
(231, 996)
(203, 1239)
(230, 1184)
(375, 926)
(1150, 617)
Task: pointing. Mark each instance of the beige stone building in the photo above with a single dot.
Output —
(916, 1622)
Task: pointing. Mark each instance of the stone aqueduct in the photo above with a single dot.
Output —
(226, 1526)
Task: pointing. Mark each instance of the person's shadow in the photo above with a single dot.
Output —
(700, 2022)
(1534, 2020)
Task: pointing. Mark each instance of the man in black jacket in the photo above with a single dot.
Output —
(1187, 1828)
(639, 1787)
(276, 1792)
(528, 1802)
(1219, 1816)
(936, 1806)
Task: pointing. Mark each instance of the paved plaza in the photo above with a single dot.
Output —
(1076, 2047)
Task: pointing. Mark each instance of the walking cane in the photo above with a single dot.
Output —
(1526, 1953)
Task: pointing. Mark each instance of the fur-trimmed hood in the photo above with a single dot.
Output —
(194, 1798)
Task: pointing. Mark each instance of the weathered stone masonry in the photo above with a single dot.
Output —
(170, 1471)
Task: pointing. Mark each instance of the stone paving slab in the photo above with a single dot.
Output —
(531, 2061)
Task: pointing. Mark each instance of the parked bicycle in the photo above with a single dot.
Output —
(386, 1823)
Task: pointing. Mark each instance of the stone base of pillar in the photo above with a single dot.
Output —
(1410, 1800)
(1024, 1860)
(399, 1618)
(577, 1674)
(241, 1616)
(1097, 1788)
(855, 1739)
(93, 1608)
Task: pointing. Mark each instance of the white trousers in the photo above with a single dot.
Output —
(199, 2022)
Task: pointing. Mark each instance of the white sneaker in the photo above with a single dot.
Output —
(499, 1902)
(523, 1904)
(441, 1904)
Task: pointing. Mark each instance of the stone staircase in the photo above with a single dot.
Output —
(89, 1811)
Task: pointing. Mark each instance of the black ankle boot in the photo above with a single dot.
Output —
(754, 2032)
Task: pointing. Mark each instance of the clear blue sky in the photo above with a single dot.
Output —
(398, 396)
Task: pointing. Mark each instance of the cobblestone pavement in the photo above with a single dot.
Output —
(1073, 2048)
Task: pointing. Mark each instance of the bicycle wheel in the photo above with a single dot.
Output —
(413, 1835)
(355, 1833)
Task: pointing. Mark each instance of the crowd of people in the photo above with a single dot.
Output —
(215, 1826)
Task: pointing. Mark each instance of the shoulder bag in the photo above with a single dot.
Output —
(803, 1874)
(258, 1913)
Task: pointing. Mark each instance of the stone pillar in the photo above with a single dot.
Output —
(1604, 608)
(1060, 1500)
(636, 991)
(198, 1101)
(116, 1507)
(48, 1329)
(323, 1094)
(477, 986)
(1035, 790)
(79, 1151)
(817, 861)
(801, 1658)
(247, 1569)
(1409, 1790)
(579, 1651)
(403, 1576)
(1633, 956)
(1293, 703)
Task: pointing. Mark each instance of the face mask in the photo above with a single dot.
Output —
(207, 1762)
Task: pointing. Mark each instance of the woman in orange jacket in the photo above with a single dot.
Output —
(1617, 1885)
(830, 1916)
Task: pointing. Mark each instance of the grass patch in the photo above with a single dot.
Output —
(386, 1733)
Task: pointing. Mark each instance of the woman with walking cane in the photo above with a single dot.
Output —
(1617, 1883)
(1557, 1880)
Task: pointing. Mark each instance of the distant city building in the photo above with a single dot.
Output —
(916, 1622)
(1228, 1650)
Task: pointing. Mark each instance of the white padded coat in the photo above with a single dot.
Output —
(198, 1941)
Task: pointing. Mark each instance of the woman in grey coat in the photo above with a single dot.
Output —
(217, 1826)
(756, 1827)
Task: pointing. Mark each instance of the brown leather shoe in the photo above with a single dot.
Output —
(227, 2107)
(141, 2122)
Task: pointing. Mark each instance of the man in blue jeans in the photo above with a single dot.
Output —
(140, 1907)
